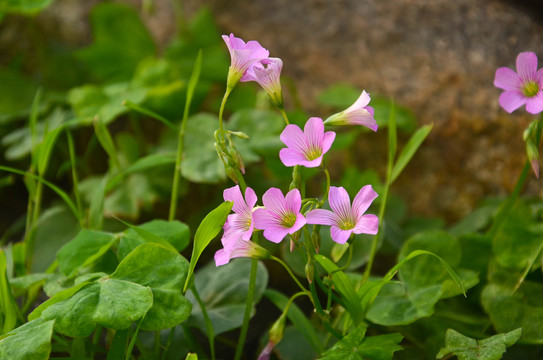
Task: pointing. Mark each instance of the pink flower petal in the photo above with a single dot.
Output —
(221, 257)
(291, 157)
(507, 79)
(250, 198)
(539, 78)
(367, 224)
(313, 131)
(340, 236)
(293, 137)
(362, 101)
(276, 234)
(300, 222)
(327, 141)
(234, 194)
(511, 100)
(370, 110)
(340, 202)
(527, 65)
(274, 201)
(363, 200)
(293, 201)
(321, 217)
(534, 105)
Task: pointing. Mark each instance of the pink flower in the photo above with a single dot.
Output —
(523, 87)
(267, 74)
(345, 219)
(241, 222)
(242, 55)
(235, 247)
(305, 148)
(280, 215)
(358, 113)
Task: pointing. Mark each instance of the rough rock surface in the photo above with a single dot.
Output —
(436, 57)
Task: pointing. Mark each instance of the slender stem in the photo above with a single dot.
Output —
(291, 274)
(75, 179)
(169, 343)
(248, 308)
(221, 111)
(241, 181)
(207, 320)
(375, 241)
(327, 173)
(284, 115)
(177, 172)
(390, 163)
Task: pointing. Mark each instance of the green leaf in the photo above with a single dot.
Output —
(356, 346)
(24, 7)
(344, 287)
(147, 283)
(409, 150)
(201, 163)
(164, 272)
(106, 103)
(522, 309)
(104, 137)
(121, 302)
(224, 290)
(83, 250)
(396, 305)
(29, 341)
(74, 315)
(96, 206)
(208, 229)
(8, 306)
(120, 42)
(297, 317)
(150, 161)
(429, 270)
(514, 244)
(466, 348)
(263, 128)
(45, 148)
(174, 235)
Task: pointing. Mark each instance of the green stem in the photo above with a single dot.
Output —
(291, 274)
(221, 111)
(248, 308)
(53, 187)
(169, 343)
(284, 115)
(177, 171)
(207, 320)
(75, 179)
(327, 173)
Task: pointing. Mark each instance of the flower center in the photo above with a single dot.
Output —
(289, 220)
(346, 225)
(530, 89)
(313, 153)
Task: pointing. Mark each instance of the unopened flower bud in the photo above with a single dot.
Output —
(276, 334)
(310, 270)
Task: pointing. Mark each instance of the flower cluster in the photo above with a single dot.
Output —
(281, 215)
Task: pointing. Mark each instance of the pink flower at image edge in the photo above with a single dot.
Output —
(524, 87)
